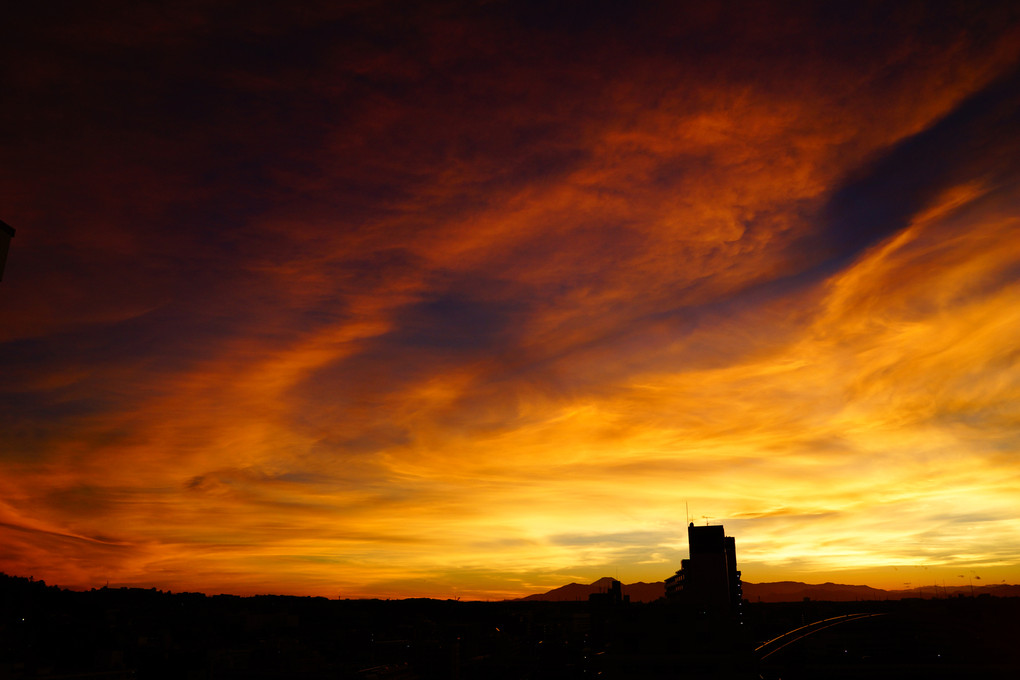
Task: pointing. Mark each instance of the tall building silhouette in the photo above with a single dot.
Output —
(708, 581)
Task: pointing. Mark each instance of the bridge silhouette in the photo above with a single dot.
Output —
(767, 649)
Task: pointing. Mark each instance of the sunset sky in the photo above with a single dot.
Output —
(390, 299)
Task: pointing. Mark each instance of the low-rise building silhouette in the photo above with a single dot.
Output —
(708, 581)
(613, 596)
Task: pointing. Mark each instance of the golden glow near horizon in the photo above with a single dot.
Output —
(488, 332)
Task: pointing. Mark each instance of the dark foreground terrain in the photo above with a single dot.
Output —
(46, 632)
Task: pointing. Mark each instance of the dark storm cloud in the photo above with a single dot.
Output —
(454, 327)
(978, 141)
(457, 322)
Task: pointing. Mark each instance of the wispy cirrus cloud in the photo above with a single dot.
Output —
(349, 300)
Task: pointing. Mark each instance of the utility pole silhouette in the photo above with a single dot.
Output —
(6, 234)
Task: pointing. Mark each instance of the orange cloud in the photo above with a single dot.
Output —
(458, 308)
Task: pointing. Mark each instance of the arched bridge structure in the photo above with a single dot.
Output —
(769, 648)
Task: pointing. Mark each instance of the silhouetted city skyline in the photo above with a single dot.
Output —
(146, 633)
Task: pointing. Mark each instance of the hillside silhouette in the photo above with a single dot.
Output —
(779, 591)
(580, 592)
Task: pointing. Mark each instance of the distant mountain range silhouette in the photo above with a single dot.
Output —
(638, 592)
(782, 591)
